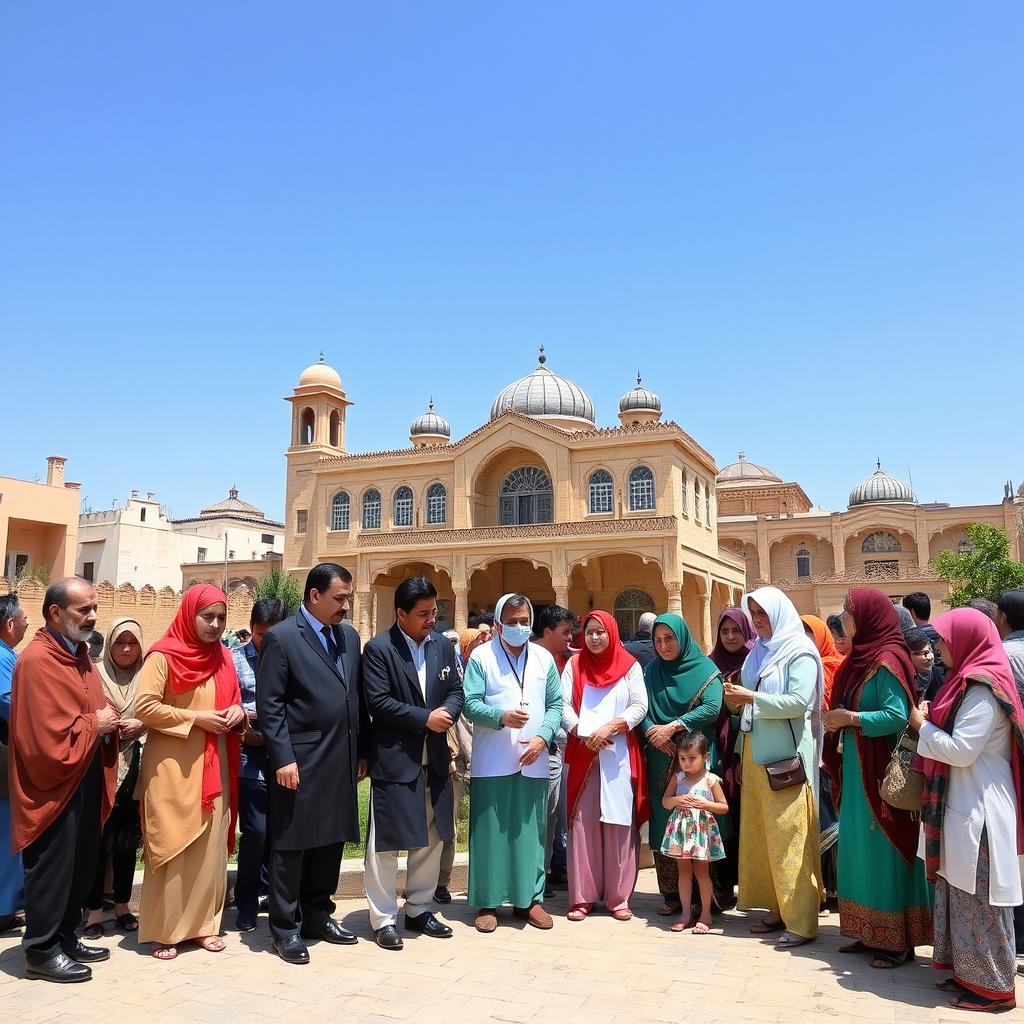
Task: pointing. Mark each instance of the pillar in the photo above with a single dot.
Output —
(364, 603)
(838, 546)
(461, 612)
(705, 619)
(675, 596)
(764, 564)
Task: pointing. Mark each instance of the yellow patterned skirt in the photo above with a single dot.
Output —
(780, 858)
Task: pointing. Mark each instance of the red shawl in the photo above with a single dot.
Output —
(601, 670)
(978, 659)
(53, 739)
(831, 659)
(877, 643)
(190, 662)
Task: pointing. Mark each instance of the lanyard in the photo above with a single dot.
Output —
(512, 665)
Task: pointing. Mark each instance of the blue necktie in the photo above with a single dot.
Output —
(332, 646)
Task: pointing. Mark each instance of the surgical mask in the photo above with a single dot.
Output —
(515, 636)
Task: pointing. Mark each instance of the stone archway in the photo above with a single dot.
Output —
(489, 582)
(381, 613)
(603, 581)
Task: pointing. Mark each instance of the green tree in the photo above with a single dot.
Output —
(277, 583)
(984, 571)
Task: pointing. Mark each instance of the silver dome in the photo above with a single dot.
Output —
(640, 398)
(430, 423)
(880, 488)
(544, 394)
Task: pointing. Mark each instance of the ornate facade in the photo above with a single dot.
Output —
(885, 538)
(538, 500)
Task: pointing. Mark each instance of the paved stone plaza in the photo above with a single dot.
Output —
(600, 971)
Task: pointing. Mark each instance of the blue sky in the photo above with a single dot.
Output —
(803, 222)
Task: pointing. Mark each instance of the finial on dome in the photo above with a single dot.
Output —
(743, 456)
(878, 465)
(321, 355)
(430, 404)
(638, 380)
(541, 358)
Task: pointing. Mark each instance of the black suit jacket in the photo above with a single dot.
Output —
(312, 714)
(399, 713)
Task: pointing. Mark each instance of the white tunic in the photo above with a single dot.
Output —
(599, 705)
(496, 752)
(979, 795)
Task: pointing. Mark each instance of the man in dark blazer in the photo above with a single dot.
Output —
(314, 728)
(414, 694)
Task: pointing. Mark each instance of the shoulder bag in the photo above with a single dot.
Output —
(901, 786)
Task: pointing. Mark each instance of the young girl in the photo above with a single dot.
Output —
(694, 796)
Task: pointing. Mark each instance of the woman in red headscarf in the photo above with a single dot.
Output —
(605, 699)
(188, 699)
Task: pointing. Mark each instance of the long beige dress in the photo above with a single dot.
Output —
(185, 882)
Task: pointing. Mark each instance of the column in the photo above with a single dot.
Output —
(461, 612)
(705, 620)
(364, 603)
(764, 565)
(675, 596)
(838, 546)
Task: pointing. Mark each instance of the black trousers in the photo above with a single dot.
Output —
(59, 869)
(253, 877)
(120, 844)
(302, 883)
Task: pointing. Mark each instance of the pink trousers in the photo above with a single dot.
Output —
(602, 858)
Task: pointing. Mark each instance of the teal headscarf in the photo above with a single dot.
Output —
(672, 685)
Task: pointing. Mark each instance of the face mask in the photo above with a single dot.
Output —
(515, 636)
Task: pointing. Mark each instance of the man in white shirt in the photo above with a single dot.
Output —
(413, 691)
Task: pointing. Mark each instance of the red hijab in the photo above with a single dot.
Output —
(190, 662)
(603, 670)
(979, 659)
(878, 642)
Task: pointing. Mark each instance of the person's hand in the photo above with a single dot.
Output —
(131, 729)
(685, 801)
(738, 695)
(211, 721)
(252, 737)
(362, 767)
(233, 716)
(599, 738)
(918, 716)
(534, 748)
(514, 718)
(837, 718)
(439, 720)
(660, 737)
(107, 720)
(288, 776)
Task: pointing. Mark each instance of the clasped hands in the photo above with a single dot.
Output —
(919, 715)
(220, 722)
(838, 718)
(516, 718)
(108, 721)
(661, 737)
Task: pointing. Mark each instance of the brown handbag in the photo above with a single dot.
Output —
(789, 771)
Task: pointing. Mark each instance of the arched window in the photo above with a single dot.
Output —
(401, 507)
(628, 608)
(686, 493)
(707, 503)
(600, 491)
(437, 504)
(965, 547)
(696, 498)
(340, 506)
(882, 540)
(371, 510)
(526, 497)
(335, 429)
(641, 489)
(803, 563)
(308, 427)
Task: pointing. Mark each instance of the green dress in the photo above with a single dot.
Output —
(884, 902)
(508, 813)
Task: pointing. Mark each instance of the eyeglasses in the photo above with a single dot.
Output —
(596, 632)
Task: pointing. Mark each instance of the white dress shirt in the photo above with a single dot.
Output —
(419, 659)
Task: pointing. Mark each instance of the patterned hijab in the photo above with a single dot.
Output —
(732, 661)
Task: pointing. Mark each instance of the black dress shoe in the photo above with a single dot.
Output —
(83, 954)
(388, 937)
(246, 921)
(59, 968)
(331, 931)
(291, 950)
(427, 924)
(442, 895)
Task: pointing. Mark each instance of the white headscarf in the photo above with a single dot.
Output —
(769, 659)
(500, 607)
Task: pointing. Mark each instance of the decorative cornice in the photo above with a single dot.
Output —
(882, 574)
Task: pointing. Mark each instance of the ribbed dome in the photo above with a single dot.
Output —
(545, 395)
(320, 375)
(640, 398)
(232, 505)
(430, 423)
(880, 488)
(747, 472)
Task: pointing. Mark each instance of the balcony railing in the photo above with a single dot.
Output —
(399, 538)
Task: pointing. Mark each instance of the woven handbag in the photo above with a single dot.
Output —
(901, 786)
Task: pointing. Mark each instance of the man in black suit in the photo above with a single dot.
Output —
(642, 646)
(314, 727)
(414, 694)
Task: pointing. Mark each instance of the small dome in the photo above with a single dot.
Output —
(747, 472)
(232, 505)
(430, 423)
(640, 398)
(320, 375)
(882, 489)
(545, 395)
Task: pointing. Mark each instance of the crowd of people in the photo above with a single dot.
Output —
(760, 772)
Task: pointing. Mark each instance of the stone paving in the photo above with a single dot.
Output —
(599, 971)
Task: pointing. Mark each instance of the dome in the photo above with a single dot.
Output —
(232, 505)
(545, 395)
(880, 488)
(320, 375)
(640, 398)
(743, 472)
(430, 423)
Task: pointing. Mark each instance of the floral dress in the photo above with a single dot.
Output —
(693, 834)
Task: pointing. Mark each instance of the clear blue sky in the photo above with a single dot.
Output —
(804, 222)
